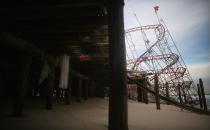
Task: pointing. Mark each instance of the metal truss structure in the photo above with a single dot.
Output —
(161, 57)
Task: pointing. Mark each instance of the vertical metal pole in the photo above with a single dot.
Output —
(21, 87)
(157, 98)
(50, 87)
(203, 94)
(199, 96)
(118, 89)
(167, 92)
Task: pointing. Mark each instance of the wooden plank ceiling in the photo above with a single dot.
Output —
(78, 28)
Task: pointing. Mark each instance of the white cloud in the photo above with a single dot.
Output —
(199, 70)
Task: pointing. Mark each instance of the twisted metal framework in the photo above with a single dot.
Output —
(161, 57)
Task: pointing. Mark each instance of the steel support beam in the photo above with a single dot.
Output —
(118, 88)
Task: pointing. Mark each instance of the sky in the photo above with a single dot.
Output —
(189, 24)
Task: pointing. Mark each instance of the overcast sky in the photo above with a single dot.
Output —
(189, 24)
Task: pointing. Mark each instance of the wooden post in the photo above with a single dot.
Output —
(184, 94)
(203, 94)
(139, 92)
(167, 92)
(86, 87)
(21, 87)
(69, 89)
(179, 93)
(199, 96)
(157, 98)
(79, 90)
(50, 88)
(92, 88)
(118, 119)
(145, 95)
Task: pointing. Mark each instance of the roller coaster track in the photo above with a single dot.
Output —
(163, 59)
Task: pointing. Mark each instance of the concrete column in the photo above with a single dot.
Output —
(167, 92)
(179, 93)
(157, 98)
(199, 96)
(50, 88)
(79, 90)
(21, 86)
(203, 94)
(118, 89)
(69, 89)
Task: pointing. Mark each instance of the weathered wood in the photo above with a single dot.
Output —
(199, 96)
(145, 93)
(203, 95)
(179, 93)
(139, 94)
(118, 119)
(184, 94)
(91, 92)
(69, 89)
(157, 98)
(82, 76)
(167, 92)
(193, 109)
(86, 91)
(18, 43)
(79, 90)
(50, 88)
(22, 86)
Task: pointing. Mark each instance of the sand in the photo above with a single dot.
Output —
(93, 115)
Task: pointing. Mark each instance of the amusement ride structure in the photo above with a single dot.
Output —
(160, 60)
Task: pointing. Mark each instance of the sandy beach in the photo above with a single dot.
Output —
(93, 115)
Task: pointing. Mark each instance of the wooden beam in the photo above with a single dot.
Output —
(118, 112)
(21, 87)
(157, 98)
(18, 43)
(203, 94)
(199, 96)
(193, 109)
